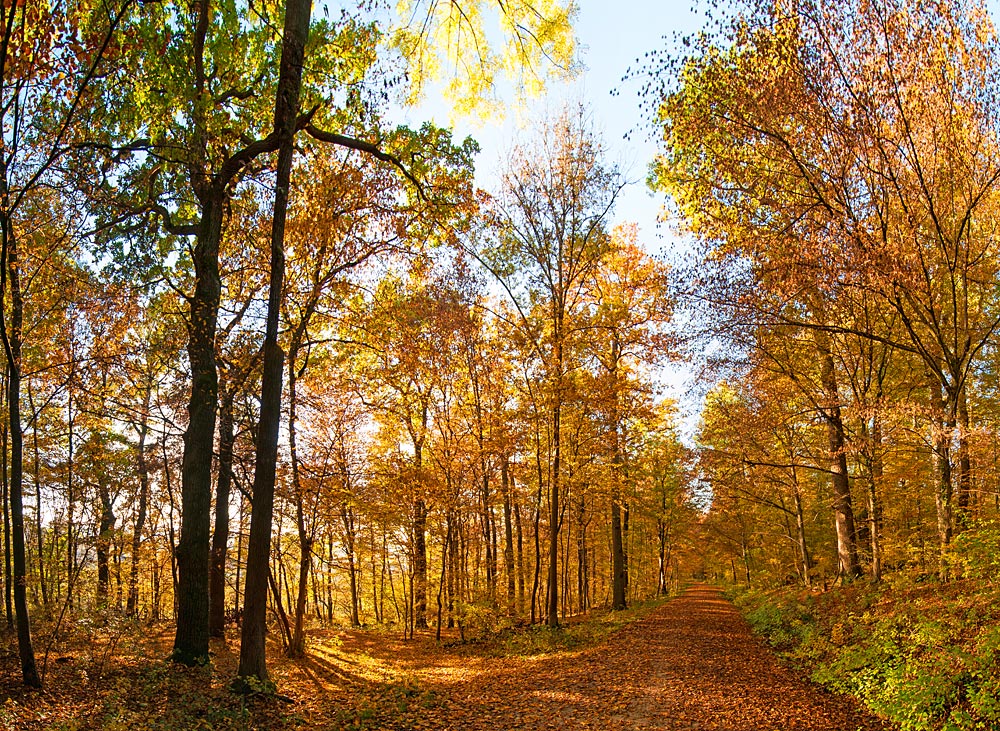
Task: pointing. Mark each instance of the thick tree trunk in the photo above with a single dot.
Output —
(253, 661)
(847, 551)
(193, 554)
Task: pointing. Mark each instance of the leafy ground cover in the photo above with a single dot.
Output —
(113, 674)
(689, 663)
(924, 654)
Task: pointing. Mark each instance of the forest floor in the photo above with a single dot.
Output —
(690, 663)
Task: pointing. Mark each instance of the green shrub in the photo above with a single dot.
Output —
(975, 552)
(925, 656)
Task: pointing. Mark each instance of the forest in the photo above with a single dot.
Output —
(289, 393)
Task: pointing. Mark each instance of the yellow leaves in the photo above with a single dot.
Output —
(454, 43)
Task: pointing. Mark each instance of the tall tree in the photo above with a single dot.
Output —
(552, 219)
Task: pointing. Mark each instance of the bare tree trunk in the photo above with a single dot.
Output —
(39, 539)
(874, 504)
(847, 551)
(962, 515)
(552, 616)
(944, 430)
(520, 558)
(12, 340)
(297, 646)
(800, 530)
(508, 531)
(104, 538)
(8, 575)
(253, 659)
(347, 518)
(132, 603)
(220, 533)
(419, 591)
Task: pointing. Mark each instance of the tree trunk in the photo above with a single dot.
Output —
(520, 558)
(39, 538)
(874, 504)
(132, 603)
(419, 591)
(800, 530)
(508, 531)
(8, 576)
(582, 555)
(220, 533)
(347, 518)
(944, 430)
(193, 554)
(10, 267)
(253, 661)
(553, 584)
(70, 468)
(847, 551)
(962, 514)
(104, 538)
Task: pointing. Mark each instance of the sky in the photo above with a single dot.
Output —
(612, 36)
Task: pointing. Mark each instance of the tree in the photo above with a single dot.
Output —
(552, 217)
(630, 309)
(840, 173)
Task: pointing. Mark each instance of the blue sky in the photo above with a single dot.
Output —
(612, 36)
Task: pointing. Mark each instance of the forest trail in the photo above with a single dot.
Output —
(693, 663)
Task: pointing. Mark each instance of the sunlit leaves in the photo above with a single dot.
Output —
(454, 42)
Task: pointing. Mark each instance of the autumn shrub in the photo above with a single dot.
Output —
(480, 621)
(777, 618)
(975, 553)
(924, 655)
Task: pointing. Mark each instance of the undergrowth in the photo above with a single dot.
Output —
(922, 653)
(496, 636)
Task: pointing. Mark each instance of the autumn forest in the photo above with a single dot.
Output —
(306, 424)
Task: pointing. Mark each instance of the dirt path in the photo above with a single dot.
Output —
(692, 664)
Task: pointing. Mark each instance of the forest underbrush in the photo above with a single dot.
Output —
(114, 674)
(921, 652)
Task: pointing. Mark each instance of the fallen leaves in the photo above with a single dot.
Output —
(691, 663)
